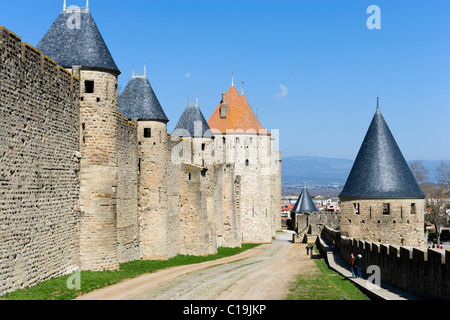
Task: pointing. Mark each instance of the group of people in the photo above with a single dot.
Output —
(356, 264)
(309, 249)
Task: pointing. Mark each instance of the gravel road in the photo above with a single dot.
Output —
(262, 273)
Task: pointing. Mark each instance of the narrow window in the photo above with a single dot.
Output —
(190, 177)
(247, 163)
(356, 207)
(147, 133)
(89, 86)
(386, 208)
(203, 147)
(413, 208)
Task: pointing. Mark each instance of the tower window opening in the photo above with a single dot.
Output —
(386, 208)
(203, 146)
(147, 133)
(247, 163)
(190, 177)
(89, 86)
(413, 208)
(356, 207)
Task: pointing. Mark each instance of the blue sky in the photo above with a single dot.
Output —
(312, 68)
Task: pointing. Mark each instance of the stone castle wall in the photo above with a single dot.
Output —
(424, 273)
(82, 187)
(403, 225)
(39, 166)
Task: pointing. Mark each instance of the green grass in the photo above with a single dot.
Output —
(56, 289)
(324, 284)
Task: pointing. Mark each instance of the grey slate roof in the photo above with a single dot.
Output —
(138, 100)
(74, 40)
(304, 203)
(380, 170)
(192, 124)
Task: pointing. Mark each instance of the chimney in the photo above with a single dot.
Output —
(223, 107)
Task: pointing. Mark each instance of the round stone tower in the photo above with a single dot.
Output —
(381, 201)
(138, 101)
(75, 43)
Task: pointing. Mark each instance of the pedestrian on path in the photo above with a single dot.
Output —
(352, 264)
(358, 265)
(307, 250)
(311, 249)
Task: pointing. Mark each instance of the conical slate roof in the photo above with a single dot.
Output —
(192, 124)
(304, 203)
(240, 117)
(380, 170)
(138, 100)
(74, 40)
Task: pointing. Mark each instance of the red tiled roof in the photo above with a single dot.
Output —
(240, 116)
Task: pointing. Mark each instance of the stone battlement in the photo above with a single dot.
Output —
(424, 273)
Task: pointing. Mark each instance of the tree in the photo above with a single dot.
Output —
(436, 201)
(419, 171)
(443, 174)
(435, 193)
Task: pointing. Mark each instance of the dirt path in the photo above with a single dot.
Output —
(263, 273)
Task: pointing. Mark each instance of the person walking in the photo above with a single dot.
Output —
(359, 266)
(307, 250)
(352, 264)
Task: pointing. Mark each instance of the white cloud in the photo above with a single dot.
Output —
(282, 93)
(188, 75)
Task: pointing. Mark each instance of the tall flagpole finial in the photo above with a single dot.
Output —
(232, 79)
(188, 101)
(87, 5)
(196, 102)
(242, 87)
(65, 6)
(378, 103)
(145, 70)
(133, 70)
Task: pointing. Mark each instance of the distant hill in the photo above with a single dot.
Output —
(314, 172)
(310, 171)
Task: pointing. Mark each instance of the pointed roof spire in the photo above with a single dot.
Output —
(77, 42)
(240, 116)
(380, 170)
(304, 203)
(138, 100)
(192, 123)
(378, 103)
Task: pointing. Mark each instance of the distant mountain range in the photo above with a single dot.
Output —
(315, 171)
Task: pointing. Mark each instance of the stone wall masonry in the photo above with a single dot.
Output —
(99, 172)
(400, 227)
(424, 273)
(154, 215)
(39, 165)
(127, 191)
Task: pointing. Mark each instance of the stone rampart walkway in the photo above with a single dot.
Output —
(384, 292)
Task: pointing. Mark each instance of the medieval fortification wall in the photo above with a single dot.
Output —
(84, 188)
(40, 163)
(424, 273)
